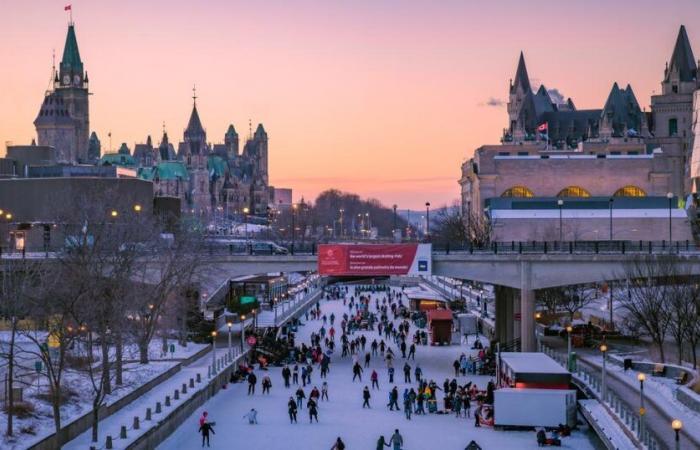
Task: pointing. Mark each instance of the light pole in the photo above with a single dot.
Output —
(393, 231)
(230, 348)
(245, 220)
(611, 223)
(670, 201)
(641, 377)
(341, 222)
(677, 425)
(294, 210)
(213, 351)
(604, 349)
(242, 331)
(569, 330)
(560, 203)
(427, 219)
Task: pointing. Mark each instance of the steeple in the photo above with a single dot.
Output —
(194, 125)
(260, 132)
(71, 71)
(521, 77)
(682, 61)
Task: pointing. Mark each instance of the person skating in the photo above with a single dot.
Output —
(292, 409)
(300, 397)
(356, 372)
(313, 410)
(381, 443)
(339, 444)
(367, 358)
(396, 440)
(407, 406)
(418, 373)
(456, 365)
(315, 394)
(403, 349)
(375, 379)
(266, 384)
(286, 374)
(365, 397)
(393, 399)
(203, 418)
(205, 428)
(295, 374)
(412, 352)
(406, 373)
(252, 379)
(391, 375)
(252, 417)
(324, 391)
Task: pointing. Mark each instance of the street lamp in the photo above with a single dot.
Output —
(242, 331)
(341, 222)
(114, 213)
(604, 349)
(569, 330)
(213, 351)
(230, 349)
(394, 229)
(137, 208)
(560, 203)
(669, 196)
(677, 425)
(245, 220)
(294, 210)
(610, 201)
(427, 219)
(641, 377)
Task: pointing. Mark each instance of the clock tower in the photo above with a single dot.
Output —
(69, 131)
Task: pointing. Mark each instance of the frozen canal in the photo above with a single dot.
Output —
(344, 416)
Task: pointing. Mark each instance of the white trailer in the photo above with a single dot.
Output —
(515, 407)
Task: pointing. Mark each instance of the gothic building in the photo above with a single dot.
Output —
(63, 121)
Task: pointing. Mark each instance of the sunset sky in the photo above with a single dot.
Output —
(378, 97)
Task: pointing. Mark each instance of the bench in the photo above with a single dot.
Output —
(682, 377)
(659, 370)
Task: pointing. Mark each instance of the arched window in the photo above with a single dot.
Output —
(672, 127)
(630, 191)
(517, 191)
(573, 191)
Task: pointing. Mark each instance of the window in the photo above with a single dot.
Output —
(518, 191)
(674, 88)
(630, 191)
(573, 191)
(672, 127)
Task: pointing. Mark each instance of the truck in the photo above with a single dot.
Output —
(528, 408)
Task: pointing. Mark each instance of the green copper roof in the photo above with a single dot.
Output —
(117, 159)
(166, 170)
(71, 55)
(216, 166)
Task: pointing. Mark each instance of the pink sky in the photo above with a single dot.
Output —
(383, 98)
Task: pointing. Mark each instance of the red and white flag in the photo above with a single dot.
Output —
(542, 127)
(68, 8)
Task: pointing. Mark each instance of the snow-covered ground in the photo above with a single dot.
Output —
(343, 415)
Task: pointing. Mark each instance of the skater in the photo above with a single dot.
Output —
(252, 379)
(339, 444)
(406, 373)
(393, 399)
(356, 372)
(407, 409)
(205, 428)
(324, 391)
(300, 397)
(403, 349)
(365, 396)
(203, 418)
(252, 417)
(418, 373)
(456, 366)
(292, 408)
(396, 440)
(303, 376)
(367, 358)
(375, 379)
(313, 411)
(391, 375)
(412, 352)
(467, 406)
(381, 443)
(286, 374)
(266, 384)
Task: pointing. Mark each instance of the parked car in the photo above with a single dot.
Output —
(267, 248)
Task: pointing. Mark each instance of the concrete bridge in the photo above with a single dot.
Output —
(516, 277)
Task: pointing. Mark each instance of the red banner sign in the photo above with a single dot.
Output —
(374, 259)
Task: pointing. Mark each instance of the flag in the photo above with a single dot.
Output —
(68, 8)
(542, 127)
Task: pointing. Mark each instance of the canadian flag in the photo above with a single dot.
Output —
(68, 8)
(542, 127)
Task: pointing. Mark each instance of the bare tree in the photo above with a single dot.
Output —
(448, 227)
(550, 299)
(682, 310)
(650, 285)
(479, 228)
(575, 298)
(20, 283)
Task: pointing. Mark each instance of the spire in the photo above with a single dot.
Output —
(682, 59)
(260, 131)
(521, 77)
(231, 131)
(194, 125)
(71, 62)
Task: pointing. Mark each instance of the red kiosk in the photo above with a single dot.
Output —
(440, 324)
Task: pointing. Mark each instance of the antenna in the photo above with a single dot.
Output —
(164, 127)
(194, 94)
(53, 69)
(250, 129)
(109, 134)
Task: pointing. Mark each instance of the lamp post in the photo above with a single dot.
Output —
(341, 222)
(394, 229)
(641, 377)
(669, 196)
(213, 351)
(230, 348)
(245, 221)
(610, 201)
(427, 219)
(294, 210)
(604, 349)
(677, 425)
(569, 330)
(560, 203)
(242, 331)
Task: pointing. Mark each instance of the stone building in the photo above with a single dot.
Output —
(565, 173)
